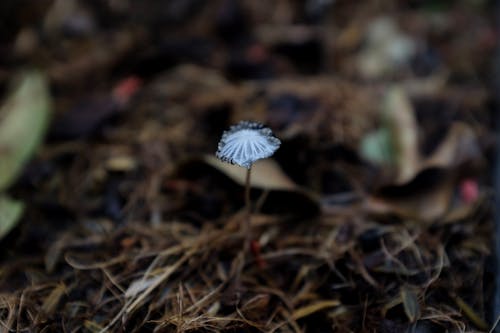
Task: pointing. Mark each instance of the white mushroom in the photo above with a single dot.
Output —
(247, 142)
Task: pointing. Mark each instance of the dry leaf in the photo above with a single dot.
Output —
(281, 195)
(427, 202)
(432, 199)
(396, 142)
(460, 145)
(404, 130)
(266, 174)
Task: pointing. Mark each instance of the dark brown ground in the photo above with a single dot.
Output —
(130, 227)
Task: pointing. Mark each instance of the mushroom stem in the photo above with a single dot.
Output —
(248, 208)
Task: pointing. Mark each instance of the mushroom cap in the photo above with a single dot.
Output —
(247, 142)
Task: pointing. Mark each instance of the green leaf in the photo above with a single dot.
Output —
(24, 117)
(10, 213)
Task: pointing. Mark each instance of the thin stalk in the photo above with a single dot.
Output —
(248, 208)
(496, 214)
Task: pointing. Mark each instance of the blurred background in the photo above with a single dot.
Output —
(386, 110)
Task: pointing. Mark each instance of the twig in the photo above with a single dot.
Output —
(248, 209)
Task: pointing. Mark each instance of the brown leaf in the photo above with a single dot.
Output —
(395, 143)
(266, 174)
(460, 145)
(281, 194)
(430, 201)
(428, 195)
(404, 133)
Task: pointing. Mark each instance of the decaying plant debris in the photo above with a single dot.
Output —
(131, 226)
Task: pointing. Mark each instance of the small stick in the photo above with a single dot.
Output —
(248, 209)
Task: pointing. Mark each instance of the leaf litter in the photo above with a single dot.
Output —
(129, 225)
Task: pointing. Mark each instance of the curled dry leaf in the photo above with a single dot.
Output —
(396, 141)
(440, 172)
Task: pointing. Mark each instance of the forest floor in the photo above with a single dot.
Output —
(375, 215)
